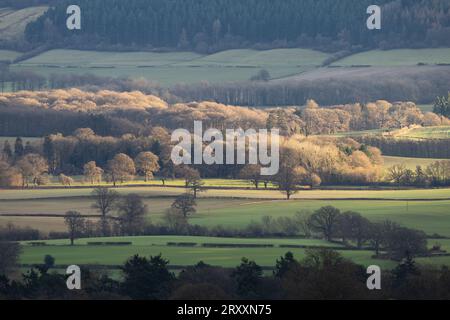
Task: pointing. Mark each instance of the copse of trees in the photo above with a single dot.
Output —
(442, 106)
(435, 174)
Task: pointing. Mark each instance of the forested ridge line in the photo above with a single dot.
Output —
(214, 25)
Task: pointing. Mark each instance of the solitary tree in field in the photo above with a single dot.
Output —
(104, 202)
(65, 180)
(175, 220)
(75, 224)
(146, 164)
(185, 204)
(132, 211)
(121, 168)
(92, 173)
(288, 176)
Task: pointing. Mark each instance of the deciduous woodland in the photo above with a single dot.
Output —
(81, 127)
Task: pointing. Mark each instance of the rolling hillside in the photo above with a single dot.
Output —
(13, 22)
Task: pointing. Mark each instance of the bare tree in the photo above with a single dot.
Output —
(105, 201)
(132, 211)
(75, 224)
(185, 203)
(325, 221)
(288, 178)
(396, 173)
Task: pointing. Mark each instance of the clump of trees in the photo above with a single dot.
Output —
(442, 106)
(435, 174)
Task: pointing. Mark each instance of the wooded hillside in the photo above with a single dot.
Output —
(213, 25)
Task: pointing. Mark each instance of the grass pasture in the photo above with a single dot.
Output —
(427, 210)
(169, 68)
(395, 58)
(154, 245)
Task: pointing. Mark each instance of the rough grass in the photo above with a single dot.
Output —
(13, 22)
(400, 57)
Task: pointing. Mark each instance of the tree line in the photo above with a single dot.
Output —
(107, 112)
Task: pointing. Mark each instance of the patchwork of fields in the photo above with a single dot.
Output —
(176, 67)
(169, 68)
(422, 209)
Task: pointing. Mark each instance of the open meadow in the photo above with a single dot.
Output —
(229, 256)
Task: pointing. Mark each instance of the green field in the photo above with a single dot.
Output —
(154, 245)
(395, 58)
(427, 210)
(114, 255)
(175, 67)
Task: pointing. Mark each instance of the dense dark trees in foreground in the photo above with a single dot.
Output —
(322, 274)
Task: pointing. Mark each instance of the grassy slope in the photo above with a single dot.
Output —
(442, 132)
(13, 22)
(177, 67)
(8, 55)
(410, 163)
(400, 57)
